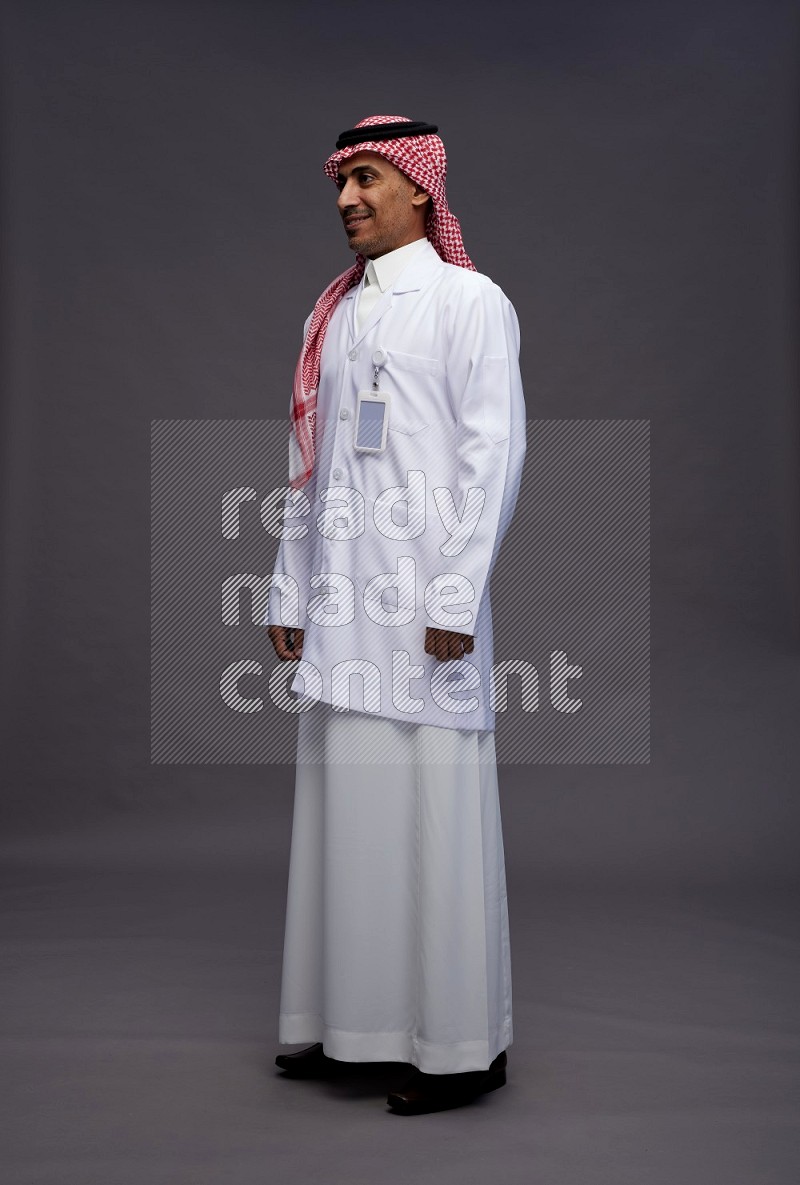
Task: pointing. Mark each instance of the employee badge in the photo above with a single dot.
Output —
(372, 413)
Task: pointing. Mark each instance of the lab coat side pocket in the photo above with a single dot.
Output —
(496, 397)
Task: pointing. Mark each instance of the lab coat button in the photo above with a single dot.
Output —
(337, 473)
(344, 414)
(379, 357)
(353, 355)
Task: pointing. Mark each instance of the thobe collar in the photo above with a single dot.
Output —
(405, 269)
(384, 270)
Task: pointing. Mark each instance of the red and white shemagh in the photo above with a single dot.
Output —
(423, 159)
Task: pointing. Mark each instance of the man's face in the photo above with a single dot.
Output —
(381, 208)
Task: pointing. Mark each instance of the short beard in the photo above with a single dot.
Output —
(371, 247)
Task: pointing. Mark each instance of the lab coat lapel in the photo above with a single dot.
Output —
(375, 314)
(419, 272)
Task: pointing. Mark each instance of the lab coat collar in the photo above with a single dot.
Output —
(420, 270)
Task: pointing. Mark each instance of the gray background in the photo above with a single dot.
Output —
(628, 174)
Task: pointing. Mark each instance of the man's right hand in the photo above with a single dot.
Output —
(288, 642)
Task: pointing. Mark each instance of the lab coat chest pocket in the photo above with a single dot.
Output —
(417, 388)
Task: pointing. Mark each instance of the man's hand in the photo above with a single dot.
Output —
(446, 644)
(288, 642)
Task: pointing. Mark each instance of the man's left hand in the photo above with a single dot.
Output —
(447, 644)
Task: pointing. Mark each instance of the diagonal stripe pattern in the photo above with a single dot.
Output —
(570, 598)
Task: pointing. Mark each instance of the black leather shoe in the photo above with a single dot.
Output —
(307, 1063)
(440, 1092)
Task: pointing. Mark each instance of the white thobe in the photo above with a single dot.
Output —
(396, 944)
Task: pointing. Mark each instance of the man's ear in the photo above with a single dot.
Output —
(419, 197)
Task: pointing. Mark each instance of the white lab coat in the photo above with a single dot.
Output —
(450, 343)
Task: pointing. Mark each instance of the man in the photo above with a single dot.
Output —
(406, 451)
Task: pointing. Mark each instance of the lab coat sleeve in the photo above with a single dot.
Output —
(290, 588)
(485, 388)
